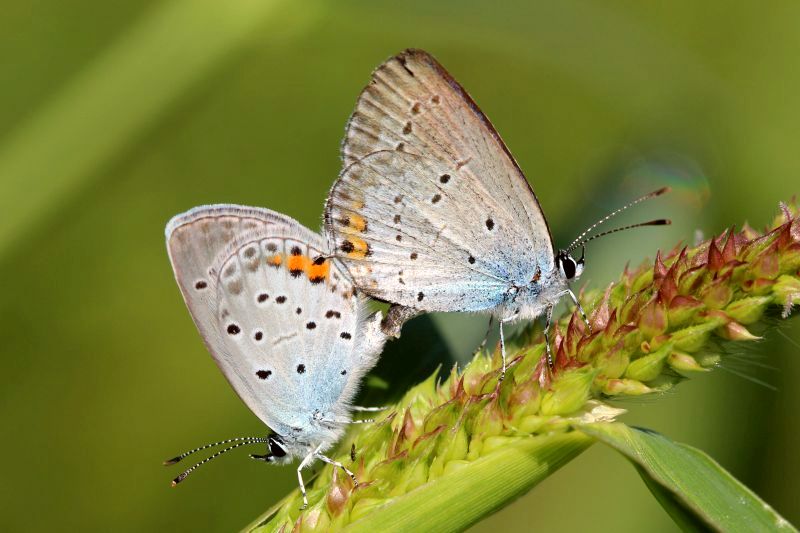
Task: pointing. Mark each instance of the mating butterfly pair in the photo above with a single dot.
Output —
(431, 213)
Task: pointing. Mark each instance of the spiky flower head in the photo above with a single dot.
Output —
(649, 330)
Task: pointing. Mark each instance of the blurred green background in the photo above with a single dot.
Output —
(116, 115)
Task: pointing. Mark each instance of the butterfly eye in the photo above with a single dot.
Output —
(568, 266)
(275, 447)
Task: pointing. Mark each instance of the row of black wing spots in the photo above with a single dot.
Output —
(300, 369)
(437, 198)
(397, 219)
(265, 374)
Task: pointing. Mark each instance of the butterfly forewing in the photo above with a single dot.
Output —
(413, 104)
(436, 197)
(285, 323)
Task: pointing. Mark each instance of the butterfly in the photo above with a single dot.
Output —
(432, 212)
(286, 327)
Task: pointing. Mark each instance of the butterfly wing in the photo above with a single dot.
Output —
(288, 333)
(407, 238)
(465, 186)
(194, 240)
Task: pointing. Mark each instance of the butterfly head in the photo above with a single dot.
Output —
(569, 267)
(278, 451)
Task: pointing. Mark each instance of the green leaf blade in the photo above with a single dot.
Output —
(693, 488)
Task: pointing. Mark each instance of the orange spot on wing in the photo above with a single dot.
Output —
(298, 263)
(357, 222)
(319, 273)
(360, 248)
(275, 260)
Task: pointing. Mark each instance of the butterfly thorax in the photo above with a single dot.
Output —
(528, 301)
(318, 433)
(544, 290)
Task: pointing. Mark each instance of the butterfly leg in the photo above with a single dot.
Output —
(304, 463)
(361, 421)
(580, 310)
(548, 322)
(502, 351)
(337, 464)
(369, 409)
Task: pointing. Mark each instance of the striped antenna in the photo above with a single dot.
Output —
(182, 456)
(183, 475)
(577, 242)
(658, 222)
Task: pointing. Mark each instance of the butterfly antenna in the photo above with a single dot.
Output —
(182, 456)
(657, 222)
(611, 215)
(183, 475)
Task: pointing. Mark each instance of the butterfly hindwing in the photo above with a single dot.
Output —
(410, 237)
(282, 322)
(195, 239)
